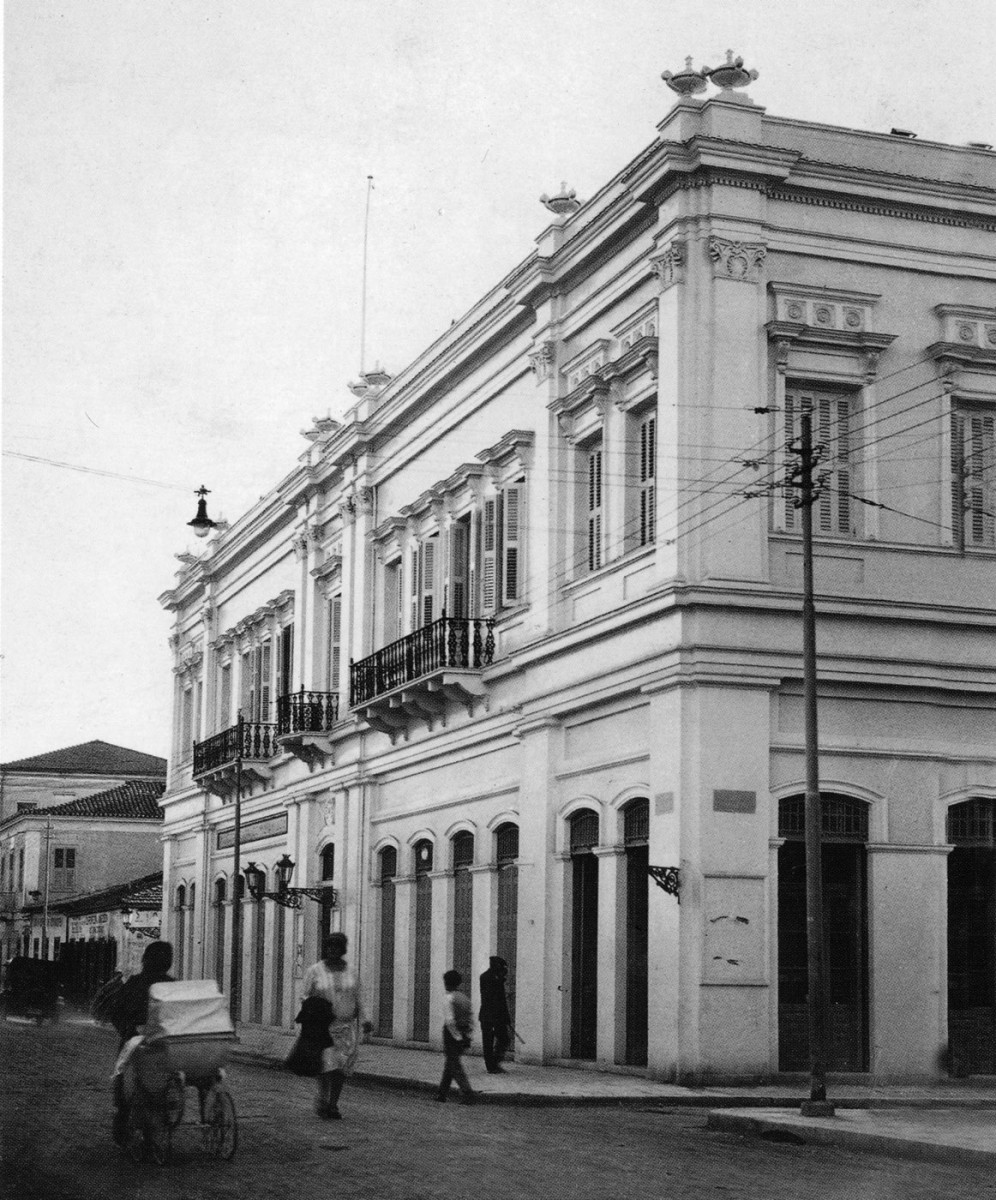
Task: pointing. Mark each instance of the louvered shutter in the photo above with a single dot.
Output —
(335, 642)
(958, 478)
(225, 704)
(416, 585)
(245, 685)
(429, 580)
(285, 676)
(512, 519)
(648, 476)
(979, 497)
(489, 557)
(265, 667)
(457, 601)
(791, 432)
(595, 509)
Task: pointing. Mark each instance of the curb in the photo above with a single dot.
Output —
(818, 1133)
(644, 1103)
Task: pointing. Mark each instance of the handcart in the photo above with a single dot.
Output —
(185, 1043)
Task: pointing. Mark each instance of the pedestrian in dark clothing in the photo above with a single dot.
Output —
(496, 1021)
(128, 1011)
(456, 1039)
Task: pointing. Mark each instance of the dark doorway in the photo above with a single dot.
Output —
(636, 833)
(421, 984)
(972, 938)
(506, 938)
(584, 934)
(385, 990)
(845, 923)
(463, 909)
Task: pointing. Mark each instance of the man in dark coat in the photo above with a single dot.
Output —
(128, 1011)
(496, 1022)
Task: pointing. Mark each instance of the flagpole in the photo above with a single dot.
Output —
(363, 302)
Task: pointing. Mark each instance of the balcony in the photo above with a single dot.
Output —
(304, 725)
(216, 759)
(416, 677)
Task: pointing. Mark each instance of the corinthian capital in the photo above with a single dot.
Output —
(669, 264)
(741, 261)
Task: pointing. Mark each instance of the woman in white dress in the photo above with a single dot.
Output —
(333, 980)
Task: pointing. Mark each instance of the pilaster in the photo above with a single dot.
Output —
(442, 950)
(404, 956)
(484, 916)
(611, 1034)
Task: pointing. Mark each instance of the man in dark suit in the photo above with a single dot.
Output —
(496, 1022)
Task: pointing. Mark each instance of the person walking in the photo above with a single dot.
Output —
(331, 979)
(496, 1021)
(456, 1039)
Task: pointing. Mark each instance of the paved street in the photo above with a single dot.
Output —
(394, 1144)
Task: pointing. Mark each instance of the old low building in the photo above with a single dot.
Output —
(48, 855)
(510, 662)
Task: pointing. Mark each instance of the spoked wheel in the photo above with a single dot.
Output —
(223, 1131)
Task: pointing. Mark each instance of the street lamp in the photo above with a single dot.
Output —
(202, 523)
(287, 896)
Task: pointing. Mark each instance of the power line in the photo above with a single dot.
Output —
(52, 462)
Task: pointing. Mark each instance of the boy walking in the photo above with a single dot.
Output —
(456, 1039)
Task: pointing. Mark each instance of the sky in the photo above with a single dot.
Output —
(184, 188)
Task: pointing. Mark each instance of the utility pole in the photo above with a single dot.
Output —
(817, 1105)
(48, 855)
(235, 998)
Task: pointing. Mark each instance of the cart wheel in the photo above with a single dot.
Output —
(174, 1101)
(224, 1131)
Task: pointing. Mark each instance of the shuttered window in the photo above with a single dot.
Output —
(647, 479)
(511, 544)
(594, 480)
(225, 694)
(973, 478)
(831, 429)
(459, 563)
(334, 662)
(502, 540)
(285, 682)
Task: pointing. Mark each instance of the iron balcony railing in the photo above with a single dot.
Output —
(307, 712)
(258, 742)
(447, 642)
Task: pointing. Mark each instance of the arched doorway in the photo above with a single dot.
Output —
(257, 956)
(845, 933)
(463, 907)
(507, 930)
(971, 829)
(385, 990)
(219, 933)
(180, 938)
(584, 933)
(422, 982)
(636, 834)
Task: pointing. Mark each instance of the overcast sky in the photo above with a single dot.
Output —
(184, 187)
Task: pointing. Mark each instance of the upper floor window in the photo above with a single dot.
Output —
(333, 665)
(64, 868)
(833, 512)
(224, 695)
(973, 478)
(501, 549)
(285, 660)
(186, 723)
(257, 665)
(593, 481)
(646, 479)
(424, 581)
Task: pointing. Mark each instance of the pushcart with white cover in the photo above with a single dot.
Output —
(185, 1043)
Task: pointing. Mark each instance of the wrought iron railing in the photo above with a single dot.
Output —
(307, 712)
(258, 742)
(446, 642)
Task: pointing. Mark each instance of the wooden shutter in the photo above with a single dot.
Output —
(595, 509)
(512, 521)
(457, 600)
(958, 477)
(225, 704)
(335, 643)
(416, 588)
(791, 513)
(489, 556)
(245, 685)
(832, 428)
(286, 684)
(648, 479)
(979, 494)
(265, 668)
(429, 605)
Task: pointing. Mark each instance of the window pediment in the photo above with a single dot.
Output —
(825, 331)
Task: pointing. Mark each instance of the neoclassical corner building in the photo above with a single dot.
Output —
(517, 642)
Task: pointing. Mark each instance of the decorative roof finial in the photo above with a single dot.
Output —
(686, 82)
(563, 203)
(731, 74)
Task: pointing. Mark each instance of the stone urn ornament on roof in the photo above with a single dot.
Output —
(563, 203)
(731, 74)
(686, 82)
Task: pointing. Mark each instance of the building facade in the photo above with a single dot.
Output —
(512, 657)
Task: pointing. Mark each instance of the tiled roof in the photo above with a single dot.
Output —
(145, 893)
(136, 799)
(91, 758)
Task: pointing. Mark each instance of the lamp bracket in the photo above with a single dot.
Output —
(668, 879)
